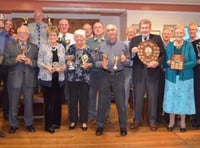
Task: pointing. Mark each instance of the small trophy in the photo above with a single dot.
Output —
(84, 59)
(104, 57)
(116, 62)
(198, 49)
(55, 65)
(23, 51)
(66, 41)
(25, 19)
(70, 61)
(49, 21)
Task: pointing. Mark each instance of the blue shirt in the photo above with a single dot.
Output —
(79, 74)
(5, 38)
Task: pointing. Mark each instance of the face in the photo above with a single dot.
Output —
(79, 39)
(63, 26)
(22, 35)
(38, 16)
(179, 34)
(1, 24)
(145, 29)
(192, 31)
(88, 29)
(130, 33)
(8, 25)
(166, 35)
(98, 29)
(52, 37)
(111, 32)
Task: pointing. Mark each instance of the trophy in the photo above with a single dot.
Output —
(55, 65)
(23, 51)
(70, 62)
(198, 49)
(49, 21)
(84, 59)
(116, 62)
(25, 19)
(177, 62)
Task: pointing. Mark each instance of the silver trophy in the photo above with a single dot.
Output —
(116, 62)
(49, 21)
(198, 49)
(70, 62)
(23, 51)
(25, 19)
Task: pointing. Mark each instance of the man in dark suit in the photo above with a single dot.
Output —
(146, 77)
(21, 57)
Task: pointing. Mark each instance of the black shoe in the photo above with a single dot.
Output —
(182, 130)
(170, 129)
(2, 135)
(123, 131)
(84, 126)
(12, 129)
(51, 130)
(56, 126)
(72, 125)
(99, 131)
(30, 128)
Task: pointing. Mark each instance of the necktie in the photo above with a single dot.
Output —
(38, 32)
(145, 38)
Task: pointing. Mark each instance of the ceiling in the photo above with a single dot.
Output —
(186, 2)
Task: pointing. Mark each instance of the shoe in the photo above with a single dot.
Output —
(182, 130)
(84, 126)
(99, 131)
(55, 126)
(153, 127)
(2, 135)
(123, 131)
(170, 129)
(51, 130)
(12, 129)
(72, 125)
(30, 128)
(135, 125)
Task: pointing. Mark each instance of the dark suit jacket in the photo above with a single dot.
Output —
(19, 72)
(138, 66)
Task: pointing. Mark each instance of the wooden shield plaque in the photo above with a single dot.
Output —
(177, 62)
(148, 51)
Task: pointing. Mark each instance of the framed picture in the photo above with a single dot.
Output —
(157, 32)
(171, 27)
(137, 28)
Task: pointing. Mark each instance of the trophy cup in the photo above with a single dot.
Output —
(66, 41)
(84, 59)
(198, 50)
(116, 62)
(49, 21)
(25, 19)
(70, 62)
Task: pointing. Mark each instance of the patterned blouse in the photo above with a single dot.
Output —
(79, 74)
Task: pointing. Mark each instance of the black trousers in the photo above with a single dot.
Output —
(52, 101)
(79, 94)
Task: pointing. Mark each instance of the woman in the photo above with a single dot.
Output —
(78, 77)
(51, 62)
(179, 92)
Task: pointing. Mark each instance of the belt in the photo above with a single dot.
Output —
(112, 72)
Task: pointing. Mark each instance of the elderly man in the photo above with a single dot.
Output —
(37, 29)
(111, 64)
(88, 31)
(21, 57)
(146, 76)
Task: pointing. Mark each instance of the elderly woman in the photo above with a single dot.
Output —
(79, 62)
(179, 91)
(51, 62)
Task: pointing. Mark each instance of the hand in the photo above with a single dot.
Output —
(153, 64)
(198, 61)
(104, 64)
(169, 62)
(134, 50)
(123, 58)
(27, 61)
(86, 65)
(49, 68)
(20, 58)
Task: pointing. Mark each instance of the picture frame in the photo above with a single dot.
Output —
(171, 27)
(157, 32)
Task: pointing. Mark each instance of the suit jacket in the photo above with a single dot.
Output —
(18, 72)
(138, 66)
(34, 33)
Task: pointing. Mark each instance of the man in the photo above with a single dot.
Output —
(66, 39)
(37, 29)
(94, 43)
(146, 77)
(88, 30)
(112, 75)
(193, 30)
(166, 36)
(21, 57)
(130, 33)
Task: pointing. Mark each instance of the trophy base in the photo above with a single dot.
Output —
(71, 68)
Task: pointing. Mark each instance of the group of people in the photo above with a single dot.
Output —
(85, 67)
